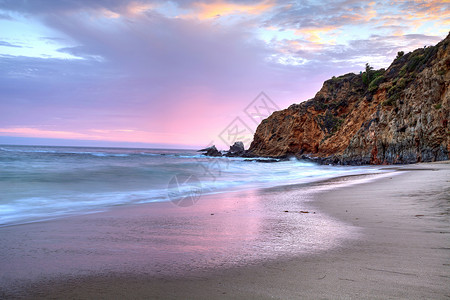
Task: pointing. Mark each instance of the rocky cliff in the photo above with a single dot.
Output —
(398, 115)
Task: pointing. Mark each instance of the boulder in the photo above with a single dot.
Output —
(210, 151)
(237, 149)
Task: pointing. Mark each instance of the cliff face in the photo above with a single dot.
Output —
(398, 115)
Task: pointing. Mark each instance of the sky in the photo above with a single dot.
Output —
(186, 73)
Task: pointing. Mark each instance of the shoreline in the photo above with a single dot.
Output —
(231, 190)
(399, 250)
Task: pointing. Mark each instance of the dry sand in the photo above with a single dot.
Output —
(383, 238)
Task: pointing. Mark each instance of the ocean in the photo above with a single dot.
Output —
(44, 182)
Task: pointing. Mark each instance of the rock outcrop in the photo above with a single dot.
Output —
(211, 151)
(398, 115)
(237, 149)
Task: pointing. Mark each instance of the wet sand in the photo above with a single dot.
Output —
(361, 238)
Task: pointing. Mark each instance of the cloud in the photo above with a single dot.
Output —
(5, 17)
(6, 44)
(34, 132)
(148, 73)
(46, 7)
(345, 34)
(321, 22)
(303, 14)
(208, 10)
(377, 50)
(153, 47)
(124, 135)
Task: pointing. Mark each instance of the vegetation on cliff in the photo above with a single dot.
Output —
(397, 115)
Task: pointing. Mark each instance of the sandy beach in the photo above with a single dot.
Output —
(373, 236)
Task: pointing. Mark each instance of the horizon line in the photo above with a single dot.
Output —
(55, 142)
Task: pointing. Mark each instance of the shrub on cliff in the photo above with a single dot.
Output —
(372, 78)
(373, 86)
(367, 75)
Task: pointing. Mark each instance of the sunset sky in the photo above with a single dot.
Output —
(181, 73)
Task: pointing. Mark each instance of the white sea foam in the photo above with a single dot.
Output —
(42, 182)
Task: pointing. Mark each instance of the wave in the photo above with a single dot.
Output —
(32, 209)
(27, 150)
(35, 187)
(99, 153)
(39, 208)
(63, 152)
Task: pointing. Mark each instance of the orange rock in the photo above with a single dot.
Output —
(400, 117)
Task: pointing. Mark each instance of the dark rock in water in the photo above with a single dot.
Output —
(263, 160)
(206, 149)
(211, 151)
(237, 149)
(247, 154)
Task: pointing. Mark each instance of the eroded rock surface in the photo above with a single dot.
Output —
(398, 115)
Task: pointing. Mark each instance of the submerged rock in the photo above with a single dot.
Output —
(263, 160)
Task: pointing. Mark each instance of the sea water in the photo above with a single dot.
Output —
(44, 182)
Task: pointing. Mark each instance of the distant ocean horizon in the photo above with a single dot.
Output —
(44, 182)
(59, 142)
